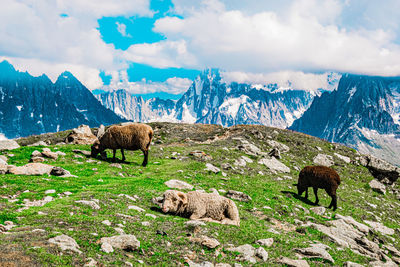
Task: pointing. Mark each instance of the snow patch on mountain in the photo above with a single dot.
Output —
(231, 106)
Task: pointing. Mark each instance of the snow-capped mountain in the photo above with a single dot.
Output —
(33, 105)
(136, 108)
(363, 113)
(211, 100)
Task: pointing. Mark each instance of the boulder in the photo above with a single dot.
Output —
(39, 143)
(65, 242)
(212, 168)
(125, 242)
(83, 152)
(324, 160)
(8, 145)
(178, 184)
(344, 158)
(58, 171)
(205, 241)
(81, 136)
(275, 153)
(31, 169)
(274, 165)
(250, 149)
(3, 160)
(49, 154)
(237, 195)
(377, 186)
(379, 227)
(316, 251)
(265, 242)
(292, 263)
(279, 146)
(380, 169)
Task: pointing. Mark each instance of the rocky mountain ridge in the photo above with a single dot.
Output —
(33, 105)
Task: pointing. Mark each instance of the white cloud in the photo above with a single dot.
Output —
(163, 54)
(39, 40)
(306, 38)
(121, 28)
(287, 79)
(173, 85)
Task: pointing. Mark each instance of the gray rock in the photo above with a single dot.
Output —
(275, 153)
(226, 166)
(205, 241)
(89, 203)
(65, 242)
(380, 169)
(90, 262)
(293, 263)
(138, 209)
(8, 145)
(212, 168)
(281, 147)
(377, 186)
(344, 158)
(178, 184)
(316, 251)
(274, 165)
(324, 160)
(261, 253)
(101, 131)
(39, 143)
(50, 155)
(240, 162)
(37, 159)
(250, 149)
(379, 227)
(158, 201)
(31, 169)
(83, 152)
(265, 242)
(237, 195)
(58, 171)
(125, 242)
(107, 248)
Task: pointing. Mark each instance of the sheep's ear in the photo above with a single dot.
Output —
(183, 197)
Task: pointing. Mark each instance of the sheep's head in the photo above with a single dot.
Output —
(174, 201)
(96, 149)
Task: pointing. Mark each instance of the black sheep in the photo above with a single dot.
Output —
(319, 177)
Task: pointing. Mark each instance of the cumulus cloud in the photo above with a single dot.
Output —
(173, 85)
(121, 28)
(287, 79)
(306, 38)
(36, 38)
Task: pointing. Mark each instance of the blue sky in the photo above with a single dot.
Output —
(148, 46)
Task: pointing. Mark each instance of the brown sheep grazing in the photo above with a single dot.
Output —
(201, 206)
(132, 137)
(319, 177)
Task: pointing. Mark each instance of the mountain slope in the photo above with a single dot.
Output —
(33, 105)
(211, 100)
(363, 113)
(136, 108)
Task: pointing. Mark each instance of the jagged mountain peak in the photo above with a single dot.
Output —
(6, 66)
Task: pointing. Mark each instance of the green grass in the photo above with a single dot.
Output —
(105, 183)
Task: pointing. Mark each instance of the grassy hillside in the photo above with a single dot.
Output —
(274, 211)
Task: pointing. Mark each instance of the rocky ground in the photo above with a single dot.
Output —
(59, 207)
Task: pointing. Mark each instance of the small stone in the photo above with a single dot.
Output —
(261, 253)
(377, 186)
(106, 222)
(107, 248)
(150, 215)
(90, 262)
(212, 168)
(50, 191)
(146, 223)
(178, 184)
(205, 241)
(324, 160)
(133, 207)
(265, 242)
(293, 263)
(125, 242)
(65, 243)
(116, 165)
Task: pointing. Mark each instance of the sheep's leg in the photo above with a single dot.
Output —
(146, 156)
(306, 193)
(123, 155)
(114, 152)
(316, 195)
(333, 202)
